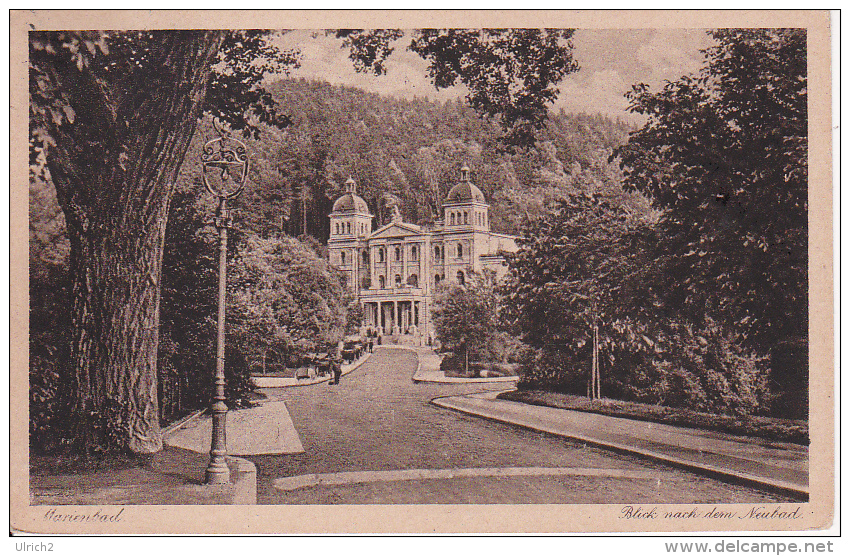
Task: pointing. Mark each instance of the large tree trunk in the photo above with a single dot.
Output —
(114, 170)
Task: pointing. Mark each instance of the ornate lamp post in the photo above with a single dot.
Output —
(229, 157)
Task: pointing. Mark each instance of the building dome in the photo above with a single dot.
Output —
(351, 201)
(465, 190)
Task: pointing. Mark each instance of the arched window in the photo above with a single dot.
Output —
(459, 250)
(348, 227)
(337, 228)
(381, 255)
(436, 279)
(365, 257)
(398, 280)
(465, 217)
(342, 257)
(460, 278)
(437, 253)
(413, 280)
(398, 253)
(453, 219)
(413, 253)
(382, 281)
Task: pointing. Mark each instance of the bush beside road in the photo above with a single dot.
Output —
(780, 430)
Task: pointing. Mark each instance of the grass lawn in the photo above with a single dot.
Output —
(780, 430)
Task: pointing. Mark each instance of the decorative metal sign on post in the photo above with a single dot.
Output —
(229, 158)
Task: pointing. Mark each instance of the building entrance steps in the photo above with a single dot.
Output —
(781, 467)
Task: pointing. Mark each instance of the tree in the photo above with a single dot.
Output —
(111, 117)
(586, 290)
(511, 74)
(465, 316)
(585, 267)
(284, 297)
(724, 155)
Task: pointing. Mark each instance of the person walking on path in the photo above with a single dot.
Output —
(371, 345)
(336, 362)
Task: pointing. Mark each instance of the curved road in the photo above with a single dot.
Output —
(378, 420)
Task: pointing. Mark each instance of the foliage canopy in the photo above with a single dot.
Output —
(724, 155)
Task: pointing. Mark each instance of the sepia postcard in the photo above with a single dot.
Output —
(421, 272)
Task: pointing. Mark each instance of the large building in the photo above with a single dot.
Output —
(393, 271)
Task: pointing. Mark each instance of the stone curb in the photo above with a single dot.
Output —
(774, 485)
(173, 427)
(453, 380)
(244, 482)
(243, 486)
(274, 382)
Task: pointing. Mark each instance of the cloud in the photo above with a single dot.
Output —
(611, 60)
(670, 55)
(596, 92)
(323, 59)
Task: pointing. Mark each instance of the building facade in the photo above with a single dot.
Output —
(393, 271)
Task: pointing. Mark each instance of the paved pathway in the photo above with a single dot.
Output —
(278, 435)
(777, 465)
(379, 422)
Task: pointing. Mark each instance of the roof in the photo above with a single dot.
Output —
(465, 191)
(351, 202)
(401, 229)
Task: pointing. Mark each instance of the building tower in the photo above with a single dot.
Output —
(351, 225)
(466, 223)
(465, 207)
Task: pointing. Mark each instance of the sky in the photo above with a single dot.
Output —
(611, 62)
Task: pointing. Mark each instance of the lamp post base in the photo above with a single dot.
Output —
(217, 470)
(217, 473)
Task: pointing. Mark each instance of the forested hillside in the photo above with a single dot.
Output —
(412, 150)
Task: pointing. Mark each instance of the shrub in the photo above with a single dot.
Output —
(503, 347)
(465, 316)
(550, 369)
(475, 367)
(44, 404)
(707, 372)
(238, 387)
(451, 362)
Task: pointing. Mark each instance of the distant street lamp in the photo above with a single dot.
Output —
(228, 156)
